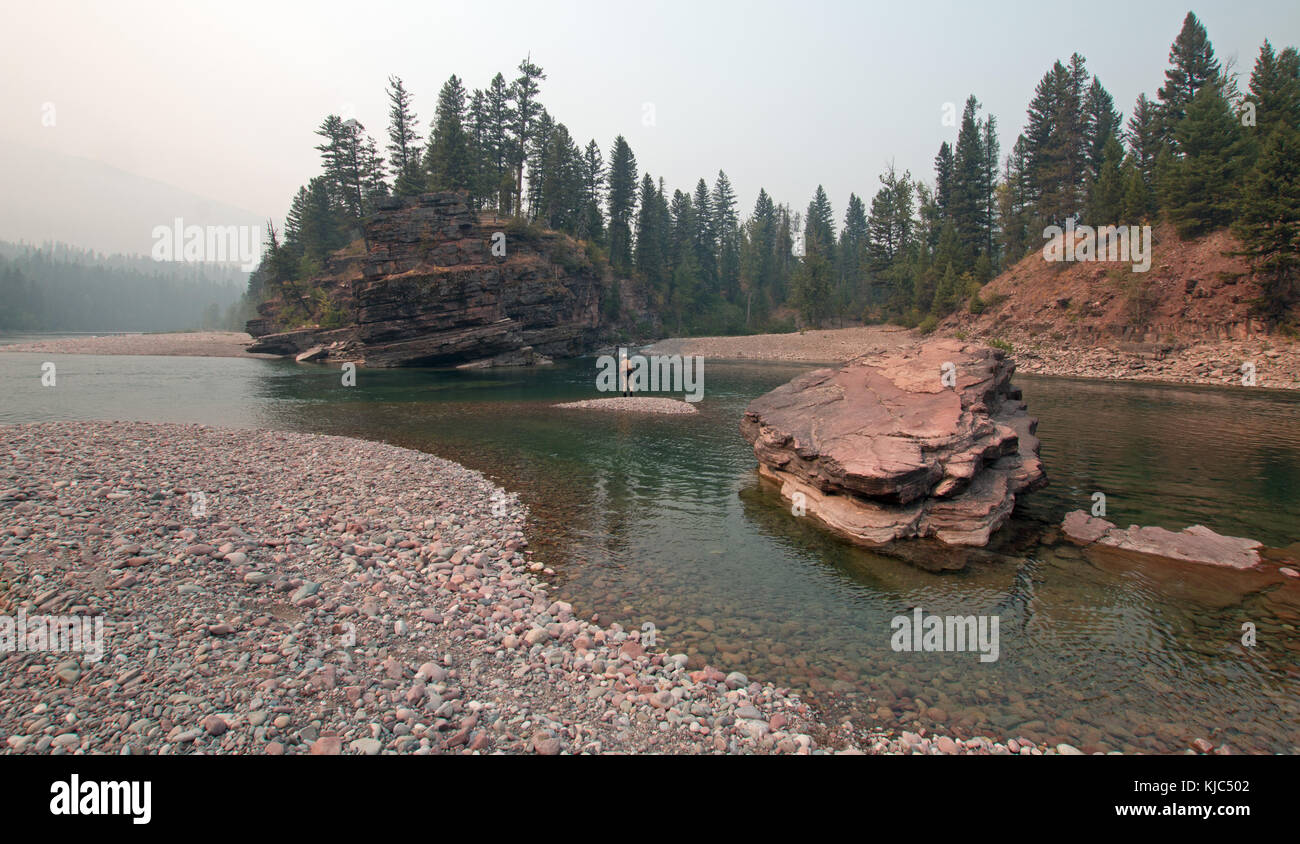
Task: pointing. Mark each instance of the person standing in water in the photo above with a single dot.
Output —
(625, 365)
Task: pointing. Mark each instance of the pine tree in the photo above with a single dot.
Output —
(526, 110)
(967, 205)
(728, 229)
(811, 285)
(334, 158)
(947, 293)
(881, 246)
(1106, 192)
(1072, 125)
(1268, 222)
(593, 185)
(1101, 123)
(787, 223)
(313, 228)
(293, 222)
(1199, 188)
(1138, 204)
(758, 261)
(890, 223)
(819, 224)
(651, 236)
(724, 203)
(705, 236)
(686, 294)
(622, 201)
(1275, 89)
(448, 160)
(1015, 203)
(543, 126)
(499, 116)
(851, 253)
(1055, 150)
(991, 149)
(1145, 138)
(1041, 140)
(687, 299)
(681, 238)
(403, 140)
(344, 163)
(483, 178)
(556, 182)
(1192, 66)
(373, 182)
(943, 167)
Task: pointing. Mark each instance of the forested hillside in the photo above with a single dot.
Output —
(1208, 151)
(56, 287)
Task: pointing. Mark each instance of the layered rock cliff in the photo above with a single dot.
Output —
(437, 286)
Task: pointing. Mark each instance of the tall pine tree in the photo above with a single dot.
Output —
(622, 202)
(403, 140)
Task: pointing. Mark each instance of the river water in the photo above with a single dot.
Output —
(662, 520)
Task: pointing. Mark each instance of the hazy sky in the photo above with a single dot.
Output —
(222, 98)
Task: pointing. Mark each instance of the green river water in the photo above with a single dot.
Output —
(662, 520)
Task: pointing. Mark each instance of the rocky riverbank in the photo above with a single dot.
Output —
(331, 595)
(282, 593)
(216, 344)
(1272, 363)
(1275, 360)
(823, 346)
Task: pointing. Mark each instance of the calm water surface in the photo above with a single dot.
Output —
(662, 520)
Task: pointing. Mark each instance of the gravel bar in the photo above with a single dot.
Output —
(268, 592)
(633, 404)
(215, 344)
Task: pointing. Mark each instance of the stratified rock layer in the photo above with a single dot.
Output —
(1196, 544)
(430, 291)
(888, 448)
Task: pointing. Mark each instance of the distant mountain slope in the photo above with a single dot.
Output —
(49, 196)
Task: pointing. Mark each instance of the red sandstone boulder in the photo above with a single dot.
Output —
(887, 447)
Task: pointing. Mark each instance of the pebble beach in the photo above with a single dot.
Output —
(219, 344)
(336, 596)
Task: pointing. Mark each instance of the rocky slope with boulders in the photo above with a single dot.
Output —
(914, 442)
(1189, 318)
(438, 286)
